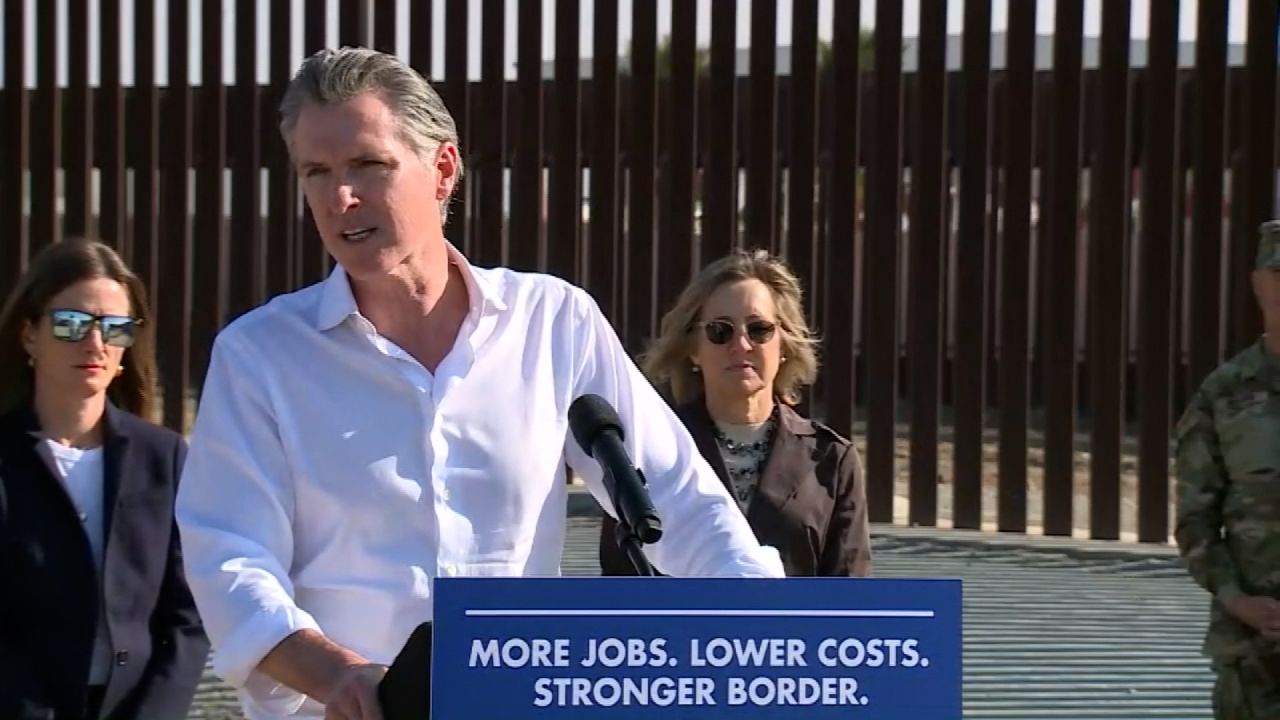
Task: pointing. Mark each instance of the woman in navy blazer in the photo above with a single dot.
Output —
(95, 617)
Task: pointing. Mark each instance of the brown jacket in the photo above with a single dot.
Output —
(810, 505)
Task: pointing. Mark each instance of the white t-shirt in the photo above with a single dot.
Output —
(81, 472)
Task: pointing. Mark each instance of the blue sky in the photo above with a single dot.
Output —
(911, 20)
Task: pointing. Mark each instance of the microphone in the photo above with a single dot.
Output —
(598, 430)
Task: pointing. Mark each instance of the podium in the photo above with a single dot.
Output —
(658, 647)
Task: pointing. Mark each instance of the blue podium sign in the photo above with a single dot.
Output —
(627, 648)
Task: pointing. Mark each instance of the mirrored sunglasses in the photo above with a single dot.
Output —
(719, 332)
(74, 326)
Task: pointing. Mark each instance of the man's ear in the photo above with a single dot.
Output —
(448, 165)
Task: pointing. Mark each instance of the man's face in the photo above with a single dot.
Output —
(375, 201)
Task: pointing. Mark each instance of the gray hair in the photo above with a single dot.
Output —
(335, 76)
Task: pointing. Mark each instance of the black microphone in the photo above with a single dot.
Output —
(596, 427)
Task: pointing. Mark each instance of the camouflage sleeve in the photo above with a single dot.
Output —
(1201, 488)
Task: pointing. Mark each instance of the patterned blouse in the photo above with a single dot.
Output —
(744, 449)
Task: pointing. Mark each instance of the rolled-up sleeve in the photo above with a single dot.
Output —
(234, 513)
(704, 534)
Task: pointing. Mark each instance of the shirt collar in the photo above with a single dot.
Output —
(483, 293)
(337, 302)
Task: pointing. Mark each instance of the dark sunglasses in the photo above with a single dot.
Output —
(74, 326)
(719, 332)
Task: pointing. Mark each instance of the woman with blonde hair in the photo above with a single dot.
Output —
(95, 616)
(734, 354)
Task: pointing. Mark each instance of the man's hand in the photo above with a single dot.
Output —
(343, 681)
(1260, 613)
(355, 694)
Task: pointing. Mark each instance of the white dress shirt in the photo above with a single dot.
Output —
(80, 470)
(331, 477)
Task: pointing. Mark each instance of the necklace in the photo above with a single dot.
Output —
(758, 446)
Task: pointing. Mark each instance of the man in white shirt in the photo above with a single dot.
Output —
(403, 419)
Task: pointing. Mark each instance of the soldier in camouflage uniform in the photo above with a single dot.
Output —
(1228, 518)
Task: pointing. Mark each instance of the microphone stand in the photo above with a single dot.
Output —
(628, 540)
(630, 545)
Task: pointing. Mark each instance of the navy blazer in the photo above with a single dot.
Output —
(49, 604)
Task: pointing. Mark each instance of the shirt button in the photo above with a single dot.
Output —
(122, 658)
(444, 494)
(84, 517)
(450, 570)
